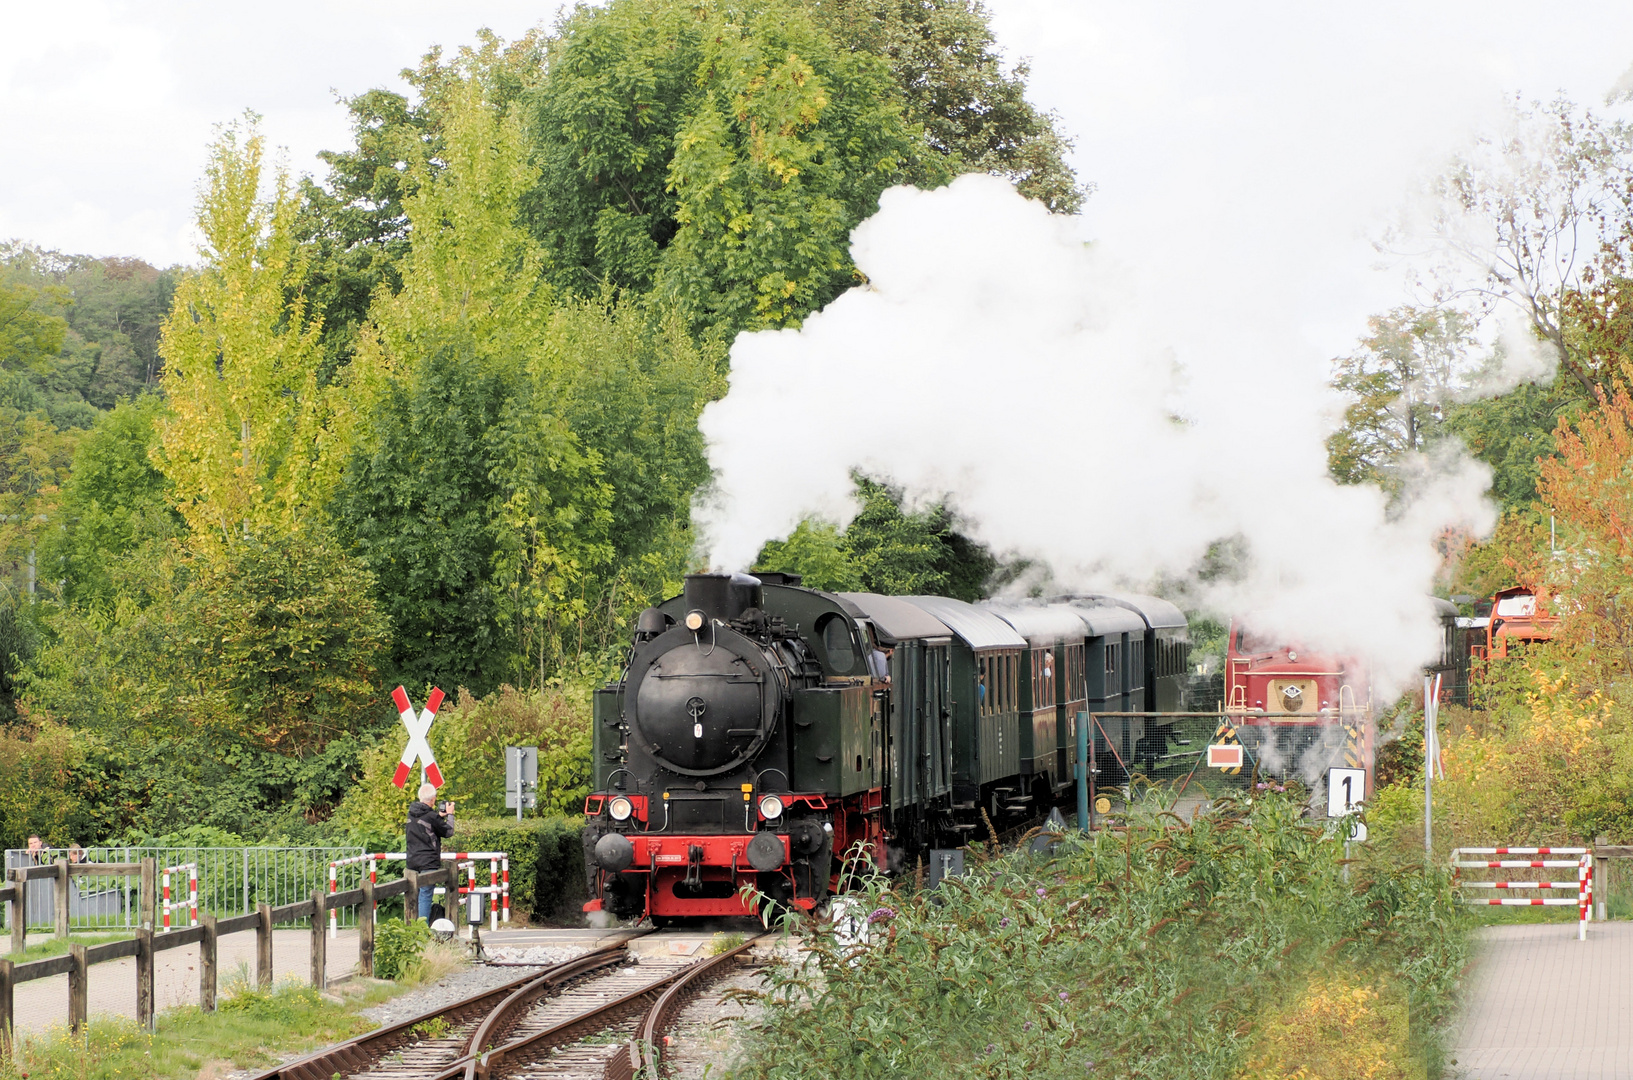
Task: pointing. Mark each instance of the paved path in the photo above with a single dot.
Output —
(43, 1004)
(1544, 1006)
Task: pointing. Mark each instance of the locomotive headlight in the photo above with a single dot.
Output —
(620, 808)
(694, 621)
(771, 808)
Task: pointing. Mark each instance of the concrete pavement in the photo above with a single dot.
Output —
(1543, 1006)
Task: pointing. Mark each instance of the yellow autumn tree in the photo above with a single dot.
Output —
(254, 439)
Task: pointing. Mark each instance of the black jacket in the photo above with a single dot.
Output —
(426, 828)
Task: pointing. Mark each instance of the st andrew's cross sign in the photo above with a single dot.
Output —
(418, 726)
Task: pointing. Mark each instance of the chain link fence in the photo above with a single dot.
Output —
(231, 881)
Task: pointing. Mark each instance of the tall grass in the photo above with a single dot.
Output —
(1165, 950)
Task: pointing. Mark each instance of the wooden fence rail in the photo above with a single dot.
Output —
(207, 935)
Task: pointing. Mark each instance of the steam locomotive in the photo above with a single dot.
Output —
(762, 731)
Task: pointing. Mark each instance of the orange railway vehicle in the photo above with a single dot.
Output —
(1518, 617)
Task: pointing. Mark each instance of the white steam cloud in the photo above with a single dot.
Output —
(1113, 408)
(996, 360)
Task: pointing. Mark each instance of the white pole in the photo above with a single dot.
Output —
(1428, 772)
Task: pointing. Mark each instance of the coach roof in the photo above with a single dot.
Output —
(894, 618)
(979, 628)
(1039, 623)
(1155, 612)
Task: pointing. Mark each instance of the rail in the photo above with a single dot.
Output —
(356, 1053)
(146, 944)
(642, 1058)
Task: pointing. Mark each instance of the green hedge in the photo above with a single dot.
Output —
(546, 862)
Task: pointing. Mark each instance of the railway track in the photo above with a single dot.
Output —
(591, 1017)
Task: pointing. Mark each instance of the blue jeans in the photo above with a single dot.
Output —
(425, 900)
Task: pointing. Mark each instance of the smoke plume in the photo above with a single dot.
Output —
(1113, 408)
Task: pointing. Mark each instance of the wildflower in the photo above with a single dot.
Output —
(1042, 891)
(1064, 995)
(1003, 922)
(1027, 1026)
(881, 914)
(990, 1048)
(1261, 786)
(1089, 1067)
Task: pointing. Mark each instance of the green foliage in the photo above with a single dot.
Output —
(1154, 952)
(112, 501)
(49, 785)
(948, 70)
(718, 156)
(546, 862)
(886, 548)
(1511, 431)
(1401, 381)
(397, 945)
(108, 349)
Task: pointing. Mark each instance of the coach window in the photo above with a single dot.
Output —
(982, 683)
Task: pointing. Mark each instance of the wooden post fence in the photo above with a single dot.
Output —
(61, 897)
(19, 909)
(79, 988)
(146, 944)
(263, 946)
(144, 976)
(207, 957)
(320, 940)
(365, 932)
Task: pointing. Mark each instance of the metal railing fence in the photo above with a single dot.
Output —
(231, 881)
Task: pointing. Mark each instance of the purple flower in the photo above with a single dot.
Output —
(1064, 995)
(990, 1048)
(1042, 891)
(881, 914)
(1027, 1026)
(1261, 787)
(1003, 922)
(1089, 1067)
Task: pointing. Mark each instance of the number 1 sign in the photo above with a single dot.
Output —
(1345, 790)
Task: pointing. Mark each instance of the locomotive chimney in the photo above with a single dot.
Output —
(722, 596)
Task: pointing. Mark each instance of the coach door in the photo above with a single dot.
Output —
(936, 729)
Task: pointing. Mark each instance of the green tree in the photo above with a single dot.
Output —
(949, 72)
(886, 549)
(252, 441)
(1409, 369)
(721, 156)
(469, 495)
(112, 501)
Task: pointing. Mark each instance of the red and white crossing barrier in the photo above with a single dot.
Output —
(498, 885)
(1583, 885)
(192, 892)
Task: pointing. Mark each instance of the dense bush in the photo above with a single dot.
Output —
(546, 862)
(397, 945)
(1167, 950)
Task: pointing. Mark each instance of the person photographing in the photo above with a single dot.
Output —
(427, 826)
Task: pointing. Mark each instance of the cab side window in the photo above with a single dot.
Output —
(837, 643)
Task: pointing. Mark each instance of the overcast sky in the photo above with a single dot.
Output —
(1218, 114)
